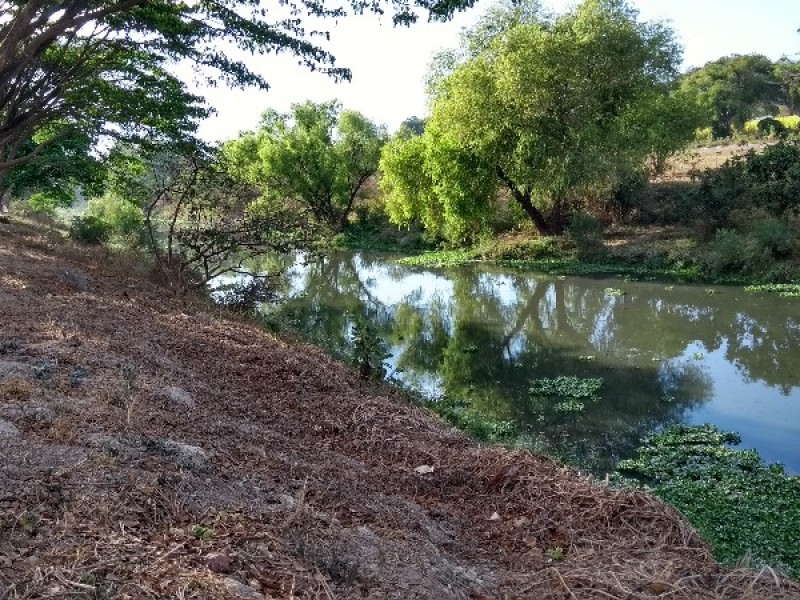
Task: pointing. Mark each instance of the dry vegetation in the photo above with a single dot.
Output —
(157, 449)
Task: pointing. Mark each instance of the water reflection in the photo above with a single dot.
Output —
(666, 354)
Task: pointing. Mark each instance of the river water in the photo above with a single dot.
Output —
(478, 334)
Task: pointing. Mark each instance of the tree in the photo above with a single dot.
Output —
(99, 66)
(413, 124)
(787, 72)
(201, 222)
(734, 89)
(317, 155)
(545, 108)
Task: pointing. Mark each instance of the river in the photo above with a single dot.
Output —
(479, 335)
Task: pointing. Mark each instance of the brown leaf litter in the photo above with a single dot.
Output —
(153, 448)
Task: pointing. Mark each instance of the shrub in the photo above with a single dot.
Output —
(90, 230)
(725, 254)
(769, 180)
(771, 127)
(586, 233)
(41, 205)
(703, 134)
(791, 122)
(123, 217)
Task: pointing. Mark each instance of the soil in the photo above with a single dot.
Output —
(158, 447)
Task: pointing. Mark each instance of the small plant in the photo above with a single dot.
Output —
(369, 350)
(556, 554)
(202, 533)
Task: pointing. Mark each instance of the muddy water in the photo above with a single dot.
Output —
(666, 354)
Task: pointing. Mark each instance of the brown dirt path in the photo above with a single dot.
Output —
(156, 449)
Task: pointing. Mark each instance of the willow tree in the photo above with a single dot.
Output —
(543, 107)
(316, 154)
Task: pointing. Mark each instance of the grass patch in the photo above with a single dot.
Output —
(748, 511)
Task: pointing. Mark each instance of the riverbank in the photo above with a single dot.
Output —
(158, 448)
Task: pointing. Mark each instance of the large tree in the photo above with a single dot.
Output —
(316, 154)
(735, 88)
(99, 67)
(545, 108)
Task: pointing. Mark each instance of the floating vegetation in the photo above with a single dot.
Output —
(570, 406)
(567, 387)
(614, 292)
(744, 508)
(785, 290)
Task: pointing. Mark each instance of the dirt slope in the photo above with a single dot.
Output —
(157, 449)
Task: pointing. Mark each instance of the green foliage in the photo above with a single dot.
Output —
(125, 218)
(744, 508)
(63, 166)
(538, 248)
(90, 230)
(732, 89)
(42, 204)
(511, 111)
(317, 155)
(769, 180)
(586, 233)
(369, 350)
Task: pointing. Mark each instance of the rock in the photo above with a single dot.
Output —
(178, 396)
(219, 562)
(75, 279)
(11, 368)
(8, 429)
(240, 591)
(188, 456)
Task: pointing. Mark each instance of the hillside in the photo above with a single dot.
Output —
(153, 448)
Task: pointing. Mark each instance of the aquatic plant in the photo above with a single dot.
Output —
(748, 511)
(567, 387)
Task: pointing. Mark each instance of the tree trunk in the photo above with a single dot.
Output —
(5, 198)
(524, 200)
(542, 226)
(557, 215)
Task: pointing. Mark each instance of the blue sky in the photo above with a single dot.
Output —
(389, 63)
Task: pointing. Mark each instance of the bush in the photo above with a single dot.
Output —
(791, 122)
(769, 180)
(703, 134)
(540, 248)
(90, 230)
(41, 205)
(586, 233)
(725, 254)
(123, 217)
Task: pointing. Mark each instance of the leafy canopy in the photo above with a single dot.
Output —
(543, 107)
(317, 155)
(99, 67)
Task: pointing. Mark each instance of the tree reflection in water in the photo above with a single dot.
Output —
(481, 335)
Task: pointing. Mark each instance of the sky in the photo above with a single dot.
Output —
(389, 63)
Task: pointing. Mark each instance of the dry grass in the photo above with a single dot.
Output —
(301, 482)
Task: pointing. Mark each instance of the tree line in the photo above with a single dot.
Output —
(544, 113)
